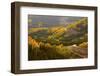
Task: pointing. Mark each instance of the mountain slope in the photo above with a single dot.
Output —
(59, 42)
(74, 33)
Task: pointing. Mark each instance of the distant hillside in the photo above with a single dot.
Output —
(50, 21)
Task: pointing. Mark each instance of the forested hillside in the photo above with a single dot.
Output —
(59, 42)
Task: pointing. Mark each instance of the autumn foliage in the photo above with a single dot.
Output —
(63, 42)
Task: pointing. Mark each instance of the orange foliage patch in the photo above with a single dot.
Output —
(32, 42)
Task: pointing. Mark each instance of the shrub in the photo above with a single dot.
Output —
(84, 45)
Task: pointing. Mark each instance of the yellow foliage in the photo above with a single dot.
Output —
(47, 45)
(84, 45)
